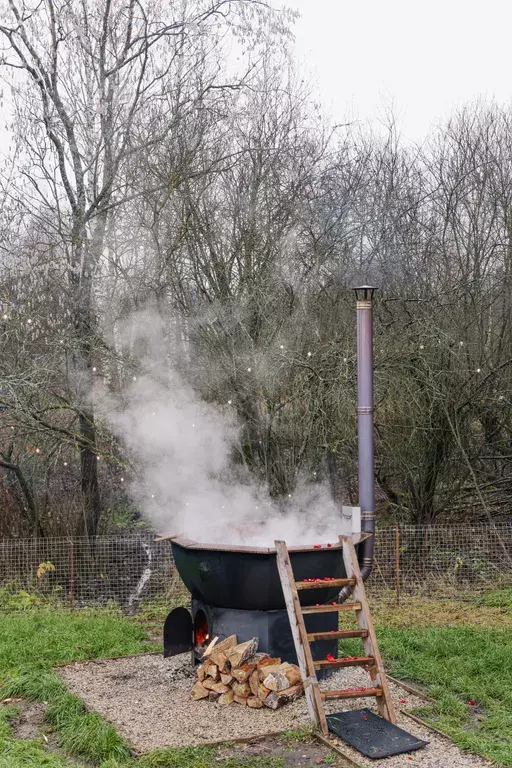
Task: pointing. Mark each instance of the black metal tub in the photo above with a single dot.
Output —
(247, 577)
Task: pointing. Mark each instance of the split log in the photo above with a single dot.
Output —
(277, 699)
(220, 688)
(241, 689)
(220, 660)
(254, 682)
(263, 672)
(268, 661)
(240, 699)
(213, 696)
(292, 673)
(226, 679)
(209, 683)
(276, 681)
(199, 691)
(224, 645)
(242, 673)
(242, 652)
(219, 654)
(227, 698)
(254, 702)
(209, 648)
(262, 692)
(212, 671)
(201, 671)
(204, 667)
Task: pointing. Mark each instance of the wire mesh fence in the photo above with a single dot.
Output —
(443, 559)
(120, 569)
(128, 570)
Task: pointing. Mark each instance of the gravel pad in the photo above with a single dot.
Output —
(147, 699)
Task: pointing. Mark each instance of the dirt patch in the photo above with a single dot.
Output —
(307, 754)
(29, 723)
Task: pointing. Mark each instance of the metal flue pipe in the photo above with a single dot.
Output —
(364, 297)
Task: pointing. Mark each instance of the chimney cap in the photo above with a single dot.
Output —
(364, 292)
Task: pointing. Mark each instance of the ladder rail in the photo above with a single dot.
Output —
(302, 647)
(364, 619)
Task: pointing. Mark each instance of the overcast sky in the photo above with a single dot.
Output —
(422, 58)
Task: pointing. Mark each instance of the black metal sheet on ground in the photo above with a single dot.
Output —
(371, 735)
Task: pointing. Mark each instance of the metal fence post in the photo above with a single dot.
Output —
(71, 572)
(397, 563)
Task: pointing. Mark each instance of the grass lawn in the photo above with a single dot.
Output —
(461, 653)
(30, 645)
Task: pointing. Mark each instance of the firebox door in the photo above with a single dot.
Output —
(178, 632)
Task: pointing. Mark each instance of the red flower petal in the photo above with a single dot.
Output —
(329, 545)
(330, 657)
(403, 701)
(317, 546)
(472, 703)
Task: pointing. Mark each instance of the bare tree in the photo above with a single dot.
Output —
(95, 74)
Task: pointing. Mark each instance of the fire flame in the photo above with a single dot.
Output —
(202, 635)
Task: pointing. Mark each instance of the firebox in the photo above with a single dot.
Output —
(191, 630)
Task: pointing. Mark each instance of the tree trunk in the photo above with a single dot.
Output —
(335, 474)
(84, 325)
(30, 501)
(89, 473)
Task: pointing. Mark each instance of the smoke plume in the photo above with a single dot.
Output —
(182, 450)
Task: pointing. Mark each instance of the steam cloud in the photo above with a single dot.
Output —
(182, 449)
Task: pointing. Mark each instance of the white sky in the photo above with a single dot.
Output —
(420, 58)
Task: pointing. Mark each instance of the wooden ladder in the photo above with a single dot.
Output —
(371, 660)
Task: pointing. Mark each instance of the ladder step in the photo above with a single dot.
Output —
(355, 661)
(330, 608)
(337, 634)
(325, 583)
(348, 694)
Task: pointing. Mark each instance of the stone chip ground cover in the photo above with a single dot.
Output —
(147, 698)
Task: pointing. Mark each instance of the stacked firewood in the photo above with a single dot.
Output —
(233, 672)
